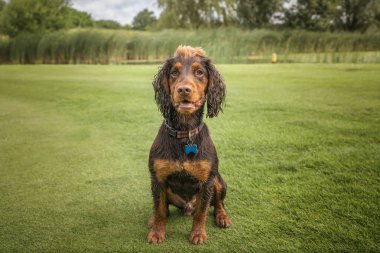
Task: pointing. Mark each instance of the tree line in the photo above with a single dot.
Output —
(316, 15)
(35, 16)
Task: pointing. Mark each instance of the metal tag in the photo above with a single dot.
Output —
(191, 148)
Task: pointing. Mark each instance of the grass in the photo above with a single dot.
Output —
(298, 146)
(224, 45)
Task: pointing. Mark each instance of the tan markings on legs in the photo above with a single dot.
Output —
(221, 218)
(158, 222)
(198, 231)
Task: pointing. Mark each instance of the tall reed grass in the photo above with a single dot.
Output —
(224, 45)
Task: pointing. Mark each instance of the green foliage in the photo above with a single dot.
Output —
(77, 18)
(2, 5)
(143, 20)
(20, 16)
(33, 16)
(168, 19)
(40, 16)
(108, 24)
(257, 13)
(224, 45)
(349, 15)
(186, 12)
(298, 146)
(195, 14)
(316, 15)
(23, 48)
(352, 15)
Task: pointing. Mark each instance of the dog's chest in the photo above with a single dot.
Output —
(184, 185)
(199, 170)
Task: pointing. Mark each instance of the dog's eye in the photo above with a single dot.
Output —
(199, 72)
(174, 73)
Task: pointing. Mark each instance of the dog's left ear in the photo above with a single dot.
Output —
(216, 90)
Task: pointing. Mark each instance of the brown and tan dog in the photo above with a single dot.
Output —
(183, 161)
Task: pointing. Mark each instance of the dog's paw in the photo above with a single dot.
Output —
(155, 237)
(198, 237)
(188, 210)
(222, 220)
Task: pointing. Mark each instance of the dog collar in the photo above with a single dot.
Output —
(184, 134)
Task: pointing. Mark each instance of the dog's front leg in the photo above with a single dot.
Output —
(198, 231)
(158, 221)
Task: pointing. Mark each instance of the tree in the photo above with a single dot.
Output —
(377, 16)
(354, 15)
(169, 16)
(257, 13)
(186, 12)
(33, 16)
(108, 24)
(77, 18)
(349, 15)
(195, 14)
(2, 5)
(143, 19)
(309, 14)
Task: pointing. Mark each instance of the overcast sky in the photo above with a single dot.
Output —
(122, 11)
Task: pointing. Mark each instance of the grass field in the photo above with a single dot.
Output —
(298, 145)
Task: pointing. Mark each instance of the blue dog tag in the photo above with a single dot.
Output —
(191, 148)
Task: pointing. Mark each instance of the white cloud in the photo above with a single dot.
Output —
(122, 11)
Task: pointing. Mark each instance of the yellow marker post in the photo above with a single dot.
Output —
(274, 58)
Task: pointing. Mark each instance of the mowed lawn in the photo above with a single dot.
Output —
(299, 147)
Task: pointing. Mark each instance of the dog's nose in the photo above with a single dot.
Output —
(184, 90)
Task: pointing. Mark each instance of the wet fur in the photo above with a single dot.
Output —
(189, 192)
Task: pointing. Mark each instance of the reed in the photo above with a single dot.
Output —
(224, 45)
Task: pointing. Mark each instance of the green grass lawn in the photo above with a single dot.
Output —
(299, 146)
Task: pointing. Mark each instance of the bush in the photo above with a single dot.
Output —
(223, 45)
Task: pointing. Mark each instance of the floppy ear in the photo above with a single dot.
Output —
(161, 88)
(216, 90)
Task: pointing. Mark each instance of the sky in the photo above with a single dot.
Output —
(122, 11)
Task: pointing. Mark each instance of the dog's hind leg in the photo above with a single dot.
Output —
(220, 189)
(186, 207)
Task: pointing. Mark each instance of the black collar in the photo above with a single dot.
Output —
(184, 134)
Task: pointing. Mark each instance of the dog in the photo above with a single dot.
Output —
(183, 162)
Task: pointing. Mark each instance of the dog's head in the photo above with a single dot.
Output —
(186, 81)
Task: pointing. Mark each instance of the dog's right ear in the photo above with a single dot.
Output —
(161, 88)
